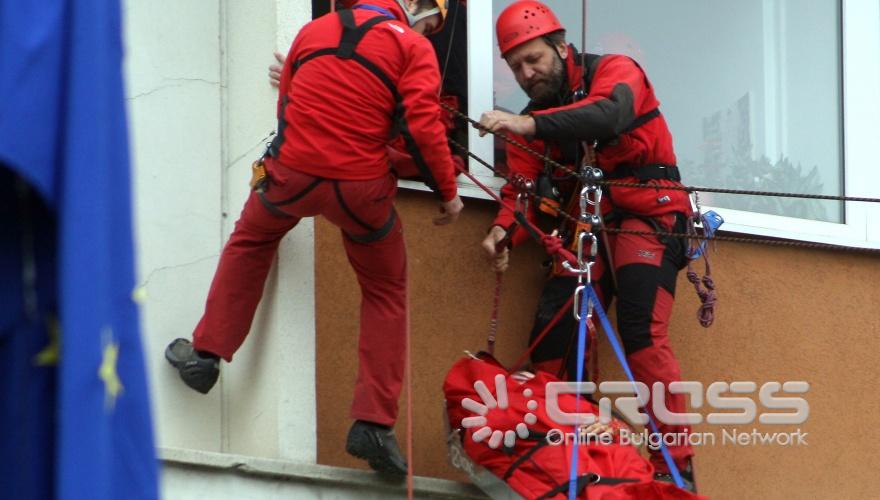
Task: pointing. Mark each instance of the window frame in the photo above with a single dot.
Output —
(860, 47)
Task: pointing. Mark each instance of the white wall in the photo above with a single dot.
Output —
(200, 111)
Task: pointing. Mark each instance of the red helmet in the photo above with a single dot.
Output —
(523, 21)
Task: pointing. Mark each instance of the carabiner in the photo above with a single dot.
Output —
(594, 247)
(578, 271)
(576, 303)
(522, 203)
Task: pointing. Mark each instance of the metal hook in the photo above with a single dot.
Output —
(594, 247)
(577, 301)
(695, 203)
(580, 272)
(597, 192)
(585, 201)
(578, 292)
(522, 203)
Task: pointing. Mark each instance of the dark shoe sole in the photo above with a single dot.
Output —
(169, 354)
(192, 371)
(171, 358)
(382, 465)
(360, 447)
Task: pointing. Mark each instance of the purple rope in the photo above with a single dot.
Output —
(708, 299)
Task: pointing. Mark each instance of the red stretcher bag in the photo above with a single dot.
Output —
(484, 401)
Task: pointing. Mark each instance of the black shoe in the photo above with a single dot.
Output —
(377, 445)
(197, 370)
(687, 477)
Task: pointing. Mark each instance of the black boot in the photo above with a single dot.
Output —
(687, 476)
(377, 445)
(197, 370)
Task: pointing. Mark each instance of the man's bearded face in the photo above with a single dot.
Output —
(544, 89)
(538, 69)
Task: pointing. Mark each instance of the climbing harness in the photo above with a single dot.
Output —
(352, 34)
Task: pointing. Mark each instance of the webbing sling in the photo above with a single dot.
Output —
(573, 485)
(352, 34)
(621, 357)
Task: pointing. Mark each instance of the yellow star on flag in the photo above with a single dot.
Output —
(107, 372)
(49, 355)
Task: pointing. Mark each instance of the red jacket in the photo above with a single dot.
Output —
(618, 92)
(339, 115)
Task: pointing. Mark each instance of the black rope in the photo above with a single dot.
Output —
(689, 189)
(449, 46)
(733, 239)
(737, 239)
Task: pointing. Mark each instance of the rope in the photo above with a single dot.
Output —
(520, 362)
(449, 47)
(708, 299)
(689, 189)
(706, 312)
(581, 354)
(693, 189)
(737, 239)
(621, 357)
(552, 244)
(734, 239)
(493, 323)
(410, 474)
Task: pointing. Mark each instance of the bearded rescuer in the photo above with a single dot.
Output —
(351, 81)
(578, 101)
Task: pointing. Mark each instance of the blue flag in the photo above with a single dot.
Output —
(81, 413)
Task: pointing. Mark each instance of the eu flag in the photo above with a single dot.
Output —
(76, 406)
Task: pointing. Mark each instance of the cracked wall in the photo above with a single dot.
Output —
(200, 111)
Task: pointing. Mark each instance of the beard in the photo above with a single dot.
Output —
(546, 90)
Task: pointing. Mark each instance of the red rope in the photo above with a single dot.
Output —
(544, 333)
(493, 323)
(409, 414)
(552, 244)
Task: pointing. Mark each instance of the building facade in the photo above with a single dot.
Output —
(769, 95)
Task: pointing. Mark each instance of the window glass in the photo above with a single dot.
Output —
(751, 90)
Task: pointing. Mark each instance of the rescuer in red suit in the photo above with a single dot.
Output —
(350, 82)
(607, 101)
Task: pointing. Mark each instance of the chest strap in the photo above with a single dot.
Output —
(644, 173)
(590, 64)
(352, 34)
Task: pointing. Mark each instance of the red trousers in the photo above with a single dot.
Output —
(646, 269)
(373, 239)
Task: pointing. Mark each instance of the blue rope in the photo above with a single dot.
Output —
(581, 355)
(621, 357)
